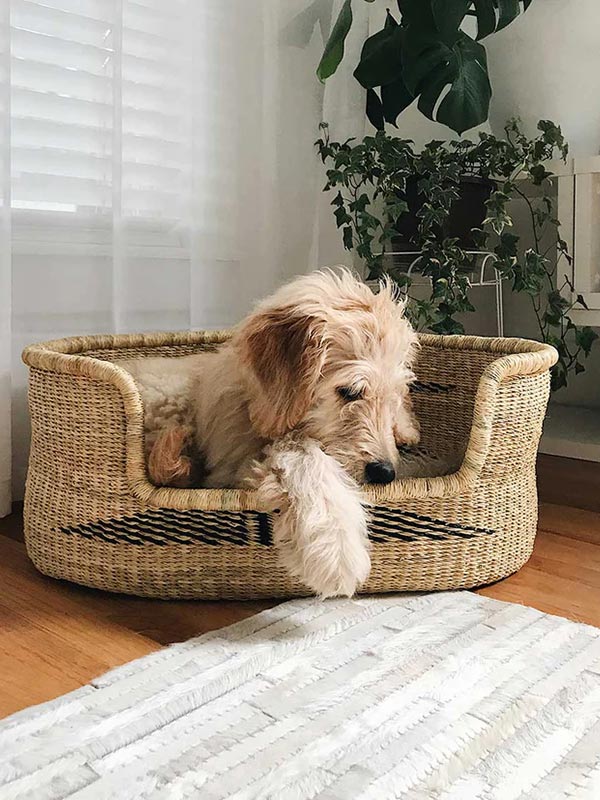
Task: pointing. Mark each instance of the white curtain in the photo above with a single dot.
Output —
(157, 168)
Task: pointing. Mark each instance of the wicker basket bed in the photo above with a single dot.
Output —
(91, 515)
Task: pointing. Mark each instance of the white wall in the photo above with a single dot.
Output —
(546, 65)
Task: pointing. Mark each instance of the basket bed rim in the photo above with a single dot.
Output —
(516, 357)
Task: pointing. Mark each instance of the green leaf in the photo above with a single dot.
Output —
(375, 110)
(467, 103)
(479, 237)
(579, 368)
(422, 55)
(507, 247)
(509, 10)
(539, 174)
(447, 325)
(396, 208)
(559, 377)
(585, 338)
(334, 49)
(431, 65)
(417, 12)
(395, 97)
(432, 89)
(381, 56)
(341, 217)
(360, 203)
(485, 11)
(556, 302)
(449, 14)
(402, 280)
(552, 319)
(347, 238)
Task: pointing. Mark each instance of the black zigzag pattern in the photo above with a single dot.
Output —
(167, 526)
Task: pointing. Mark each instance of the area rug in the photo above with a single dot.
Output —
(447, 697)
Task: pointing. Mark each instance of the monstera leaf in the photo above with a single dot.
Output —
(381, 65)
(334, 49)
(425, 54)
(491, 15)
(457, 66)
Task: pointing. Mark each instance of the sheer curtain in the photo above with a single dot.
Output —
(157, 169)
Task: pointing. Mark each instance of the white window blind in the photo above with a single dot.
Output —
(100, 107)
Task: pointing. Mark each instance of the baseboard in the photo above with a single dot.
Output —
(572, 432)
(569, 482)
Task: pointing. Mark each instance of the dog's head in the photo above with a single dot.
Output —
(326, 355)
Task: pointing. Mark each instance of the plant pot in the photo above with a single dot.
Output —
(466, 213)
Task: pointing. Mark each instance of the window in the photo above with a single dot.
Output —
(98, 106)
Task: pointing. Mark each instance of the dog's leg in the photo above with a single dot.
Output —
(321, 528)
(168, 464)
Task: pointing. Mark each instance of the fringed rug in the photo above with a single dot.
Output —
(448, 696)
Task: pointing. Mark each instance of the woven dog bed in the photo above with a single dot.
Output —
(91, 515)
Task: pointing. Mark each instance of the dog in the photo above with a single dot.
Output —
(309, 399)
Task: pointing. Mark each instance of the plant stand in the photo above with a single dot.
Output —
(483, 274)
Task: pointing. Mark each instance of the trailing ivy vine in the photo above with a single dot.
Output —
(369, 183)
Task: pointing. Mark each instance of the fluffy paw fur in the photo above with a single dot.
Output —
(321, 528)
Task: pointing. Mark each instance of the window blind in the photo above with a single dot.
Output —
(100, 100)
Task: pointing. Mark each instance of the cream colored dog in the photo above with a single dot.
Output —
(308, 399)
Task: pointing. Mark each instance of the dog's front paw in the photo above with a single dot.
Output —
(408, 436)
(322, 534)
(341, 570)
(321, 529)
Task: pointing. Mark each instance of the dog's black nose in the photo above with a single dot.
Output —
(380, 472)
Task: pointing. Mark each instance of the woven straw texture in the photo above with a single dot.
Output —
(91, 515)
(438, 697)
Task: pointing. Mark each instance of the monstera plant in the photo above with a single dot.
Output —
(429, 51)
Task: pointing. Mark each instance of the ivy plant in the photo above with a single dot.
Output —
(425, 52)
(368, 181)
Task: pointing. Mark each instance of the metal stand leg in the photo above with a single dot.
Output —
(479, 277)
(499, 305)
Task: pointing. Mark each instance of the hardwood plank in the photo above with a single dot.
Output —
(56, 636)
(168, 621)
(163, 621)
(576, 523)
(38, 664)
(52, 642)
(562, 577)
(549, 593)
(555, 554)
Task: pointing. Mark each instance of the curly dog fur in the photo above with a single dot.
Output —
(323, 358)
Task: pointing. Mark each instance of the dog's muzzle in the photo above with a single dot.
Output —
(380, 472)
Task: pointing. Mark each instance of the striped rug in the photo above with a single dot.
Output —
(446, 697)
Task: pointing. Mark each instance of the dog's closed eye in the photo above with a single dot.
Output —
(349, 393)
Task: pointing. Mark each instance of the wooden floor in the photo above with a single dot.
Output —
(56, 636)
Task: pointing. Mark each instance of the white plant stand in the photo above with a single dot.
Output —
(483, 274)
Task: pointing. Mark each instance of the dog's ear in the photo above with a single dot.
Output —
(284, 352)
